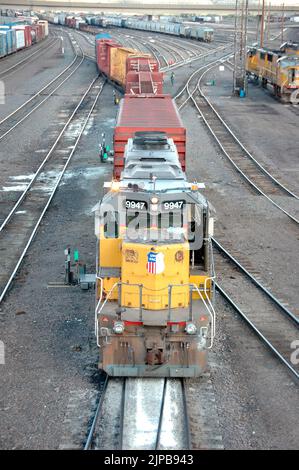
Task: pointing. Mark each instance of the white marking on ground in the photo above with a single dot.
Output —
(14, 188)
(89, 126)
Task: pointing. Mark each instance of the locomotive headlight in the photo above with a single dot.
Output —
(191, 329)
(118, 327)
(154, 200)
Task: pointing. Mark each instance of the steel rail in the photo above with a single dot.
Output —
(268, 293)
(187, 84)
(5, 289)
(89, 439)
(239, 142)
(256, 330)
(177, 64)
(186, 415)
(41, 91)
(122, 414)
(260, 191)
(21, 198)
(27, 59)
(159, 429)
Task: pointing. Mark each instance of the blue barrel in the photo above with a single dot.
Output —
(242, 93)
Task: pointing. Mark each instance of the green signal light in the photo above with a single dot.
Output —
(105, 156)
(107, 148)
(76, 255)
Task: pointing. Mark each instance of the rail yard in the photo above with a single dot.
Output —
(115, 342)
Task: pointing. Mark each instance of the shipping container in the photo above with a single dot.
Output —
(154, 113)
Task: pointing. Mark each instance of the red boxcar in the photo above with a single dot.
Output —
(35, 33)
(142, 64)
(42, 31)
(103, 54)
(28, 37)
(147, 113)
(71, 22)
(139, 83)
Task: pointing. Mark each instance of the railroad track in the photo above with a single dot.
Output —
(20, 225)
(134, 414)
(215, 56)
(140, 42)
(27, 59)
(19, 115)
(269, 317)
(259, 179)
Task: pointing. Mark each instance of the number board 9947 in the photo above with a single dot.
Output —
(173, 205)
(135, 205)
(143, 205)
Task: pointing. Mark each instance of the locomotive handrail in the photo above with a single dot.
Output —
(207, 303)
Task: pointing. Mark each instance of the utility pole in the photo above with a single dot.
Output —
(258, 22)
(268, 21)
(240, 50)
(282, 23)
(262, 24)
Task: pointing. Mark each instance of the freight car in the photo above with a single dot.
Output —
(16, 36)
(178, 29)
(196, 32)
(115, 62)
(140, 113)
(279, 68)
(154, 313)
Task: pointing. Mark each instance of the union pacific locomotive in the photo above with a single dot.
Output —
(154, 311)
(279, 68)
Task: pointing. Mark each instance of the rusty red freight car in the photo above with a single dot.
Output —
(140, 83)
(147, 113)
(142, 64)
(103, 54)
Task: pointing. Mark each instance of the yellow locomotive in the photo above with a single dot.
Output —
(154, 311)
(279, 68)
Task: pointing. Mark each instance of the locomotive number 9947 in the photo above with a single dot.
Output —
(172, 205)
(136, 205)
(142, 205)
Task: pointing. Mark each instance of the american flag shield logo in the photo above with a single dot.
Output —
(155, 263)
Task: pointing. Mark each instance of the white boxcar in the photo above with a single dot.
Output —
(20, 38)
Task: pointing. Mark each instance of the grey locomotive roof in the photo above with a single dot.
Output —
(151, 154)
